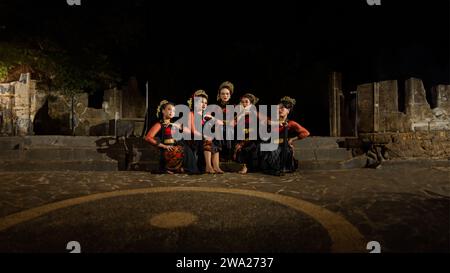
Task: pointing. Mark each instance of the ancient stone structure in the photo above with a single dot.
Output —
(19, 103)
(422, 131)
(6, 109)
(378, 108)
(24, 110)
(335, 98)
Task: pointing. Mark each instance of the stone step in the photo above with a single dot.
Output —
(27, 165)
(29, 142)
(11, 143)
(313, 152)
(353, 163)
(11, 154)
(320, 154)
(66, 141)
(64, 154)
(76, 154)
(318, 142)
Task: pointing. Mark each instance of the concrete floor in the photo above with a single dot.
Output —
(405, 208)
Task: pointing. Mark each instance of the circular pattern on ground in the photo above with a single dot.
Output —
(243, 221)
(173, 219)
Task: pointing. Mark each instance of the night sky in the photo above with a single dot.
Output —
(271, 49)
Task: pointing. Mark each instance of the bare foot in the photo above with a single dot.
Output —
(243, 170)
(169, 172)
(219, 171)
(210, 171)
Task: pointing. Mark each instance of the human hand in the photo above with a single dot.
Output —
(291, 143)
(208, 117)
(170, 148)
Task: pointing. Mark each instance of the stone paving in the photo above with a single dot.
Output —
(405, 208)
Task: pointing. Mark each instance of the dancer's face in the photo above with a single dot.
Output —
(282, 111)
(168, 111)
(245, 102)
(202, 103)
(224, 94)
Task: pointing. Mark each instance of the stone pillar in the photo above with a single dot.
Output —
(335, 95)
(133, 101)
(441, 97)
(80, 106)
(376, 107)
(417, 108)
(114, 99)
(6, 109)
(390, 119)
(22, 104)
(441, 102)
(365, 103)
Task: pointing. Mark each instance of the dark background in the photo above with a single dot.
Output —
(272, 49)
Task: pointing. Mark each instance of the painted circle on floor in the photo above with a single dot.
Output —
(253, 210)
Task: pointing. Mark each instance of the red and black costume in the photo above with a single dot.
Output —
(282, 159)
(197, 147)
(247, 150)
(226, 145)
(169, 160)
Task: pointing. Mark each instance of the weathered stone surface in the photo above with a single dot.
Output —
(365, 108)
(423, 144)
(378, 108)
(441, 97)
(23, 107)
(112, 102)
(388, 97)
(416, 105)
(438, 125)
(124, 128)
(395, 122)
(6, 108)
(81, 102)
(391, 120)
(31, 153)
(134, 101)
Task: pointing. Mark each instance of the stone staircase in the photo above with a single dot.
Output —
(325, 153)
(59, 153)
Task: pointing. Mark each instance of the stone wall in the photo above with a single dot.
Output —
(19, 102)
(86, 121)
(432, 144)
(23, 107)
(378, 108)
(134, 101)
(6, 109)
(441, 97)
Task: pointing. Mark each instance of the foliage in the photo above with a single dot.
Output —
(56, 69)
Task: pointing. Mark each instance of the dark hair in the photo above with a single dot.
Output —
(252, 98)
(288, 102)
(199, 93)
(225, 85)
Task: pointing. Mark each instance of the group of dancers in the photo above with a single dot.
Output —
(203, 154)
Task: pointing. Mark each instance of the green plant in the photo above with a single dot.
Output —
(56, 69)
